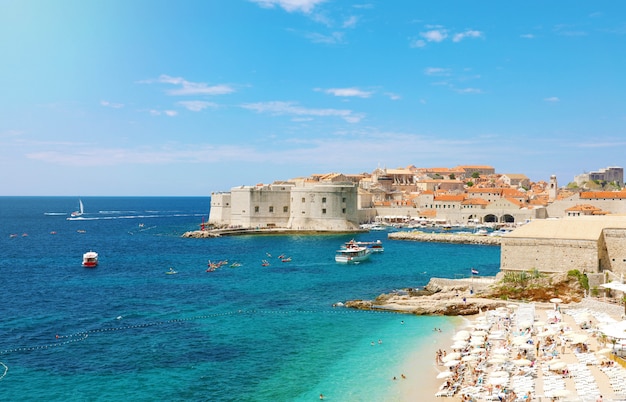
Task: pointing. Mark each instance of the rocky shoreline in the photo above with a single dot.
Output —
(450, 297)
(466, 238)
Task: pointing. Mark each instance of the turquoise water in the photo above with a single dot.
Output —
(126, 330)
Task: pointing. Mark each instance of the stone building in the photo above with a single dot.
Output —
(590, 244)
(301, 205)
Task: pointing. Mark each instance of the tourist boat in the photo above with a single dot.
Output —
(374, 246)
(90, 259)
(352, 254)
(265, 263)
(80, 210)
(286, 259)
(171, 271)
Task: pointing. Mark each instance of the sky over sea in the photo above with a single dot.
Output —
(150, 97)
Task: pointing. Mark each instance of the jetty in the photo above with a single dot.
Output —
(458, 238)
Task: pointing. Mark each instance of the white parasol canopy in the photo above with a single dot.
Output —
(556, 300)
(614, 330)
(558, 366)
(445, 374)
(522, 362)
(621, 287)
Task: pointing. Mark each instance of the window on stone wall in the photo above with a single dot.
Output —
(303, 199)
(323, 200)
(343, 210)
(323, 210)
(343, 199)
(271, 210)
(256, 208)
(285, 209)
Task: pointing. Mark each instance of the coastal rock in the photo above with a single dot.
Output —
(437, 298)
(446, 238)
(200, 234)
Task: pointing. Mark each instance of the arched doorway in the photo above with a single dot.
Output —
(491, 218)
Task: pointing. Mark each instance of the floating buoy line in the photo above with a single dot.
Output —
(63, 340)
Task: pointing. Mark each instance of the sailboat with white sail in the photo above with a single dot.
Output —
(80, 209)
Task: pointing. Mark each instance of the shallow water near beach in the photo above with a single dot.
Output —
(127, 330)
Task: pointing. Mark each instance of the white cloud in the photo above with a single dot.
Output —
(333, 38)
(290, 108)
(527, 36)
(393, 96)
(467, 34)
(469, 90)
(304, 6)
(350, 22)
(552, 99)
(170, 113)
(196, 106)
(348, 92)
(437, 71)
(192, 88)
(418, 43)
(435, 35)
(111, 104)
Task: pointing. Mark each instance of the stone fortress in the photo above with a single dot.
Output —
(557, 229)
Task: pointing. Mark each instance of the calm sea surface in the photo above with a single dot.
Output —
(126, 330)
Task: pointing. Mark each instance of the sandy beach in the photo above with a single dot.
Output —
(528, 351)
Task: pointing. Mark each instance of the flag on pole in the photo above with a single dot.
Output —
(474, 271)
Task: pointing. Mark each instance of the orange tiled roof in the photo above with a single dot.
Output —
(594, 195)
(475, 201)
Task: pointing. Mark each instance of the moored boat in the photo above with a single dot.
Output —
(352, 254)
(90, 259)
(374, 246)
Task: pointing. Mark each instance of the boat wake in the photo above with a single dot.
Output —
(55, 213)
(101, 218)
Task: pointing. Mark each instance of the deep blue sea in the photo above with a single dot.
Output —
(126, 330)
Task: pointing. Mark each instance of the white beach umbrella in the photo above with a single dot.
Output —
(604, 351)
(559, 393)
(548, 332)
(477, 350)
(557, 366)
(469, 358)
(477, 342)
(500, 373)
(579, 338)
(520, 340)
(614, 330)
(445, 374)
(478, 332)
(500, 351)
(556, 300)
(452, 363)
(497, 360)
(451, 356)
(461, 335)
(459, 345)
(522, 362)
(498, 380)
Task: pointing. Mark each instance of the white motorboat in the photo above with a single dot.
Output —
(352, 254)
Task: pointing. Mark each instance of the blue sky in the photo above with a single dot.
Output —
(149, 97)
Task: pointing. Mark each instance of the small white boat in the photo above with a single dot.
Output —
(90, 259)
(374, 246)
(80, 209)
(352, 254)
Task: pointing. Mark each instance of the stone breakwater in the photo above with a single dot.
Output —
(446, 238)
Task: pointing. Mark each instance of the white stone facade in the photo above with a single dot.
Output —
(306, 206)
